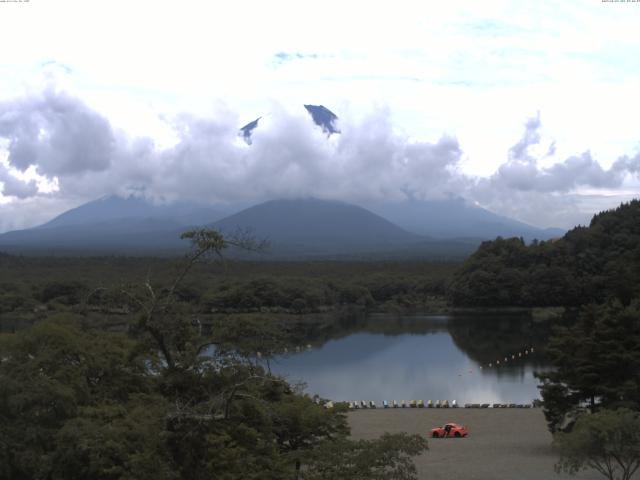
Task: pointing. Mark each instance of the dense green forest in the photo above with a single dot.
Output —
(589, 264)
(34, 288)
(79, 402)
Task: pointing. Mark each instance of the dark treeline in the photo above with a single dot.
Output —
(588, 265)
(33, 288)
(594, 272)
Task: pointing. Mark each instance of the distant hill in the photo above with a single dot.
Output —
(120, 236)
(317, 225)
(457, 218)
(588, 264)
(311, 227)
(113, 225)
(116, 208)
(297, 228)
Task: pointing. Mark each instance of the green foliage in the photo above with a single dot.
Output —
(77, 403)
(387, 458)
(49, 374)
(67, 292)
(596, 362)
(587, 265)
(607, 441)
(114, 441)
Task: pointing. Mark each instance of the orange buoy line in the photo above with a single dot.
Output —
(506, 359)
(513, 357)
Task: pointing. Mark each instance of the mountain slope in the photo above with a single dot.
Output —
(115, 208)
(323, 117)
(113, 225)
(317, 224)
(456, 218)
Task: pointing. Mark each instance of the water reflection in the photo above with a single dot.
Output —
(423, 358)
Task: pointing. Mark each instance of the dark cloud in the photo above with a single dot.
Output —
(56, 133)
(14, 187)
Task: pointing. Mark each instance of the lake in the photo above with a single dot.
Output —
(424, 357)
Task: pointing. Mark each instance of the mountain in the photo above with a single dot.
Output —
(317, 226)
(116, 208)
(113, 224)
(456, 218)
(296, 228)
(323, 117)
(247, 130)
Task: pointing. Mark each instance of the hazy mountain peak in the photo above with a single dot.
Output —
(323, 117)
(327, 225)
(245, 132)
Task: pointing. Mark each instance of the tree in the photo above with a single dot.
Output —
(49, 375)
(595, 363)
(158, 403)
(386, 458)
(161, 318)
(607, 441)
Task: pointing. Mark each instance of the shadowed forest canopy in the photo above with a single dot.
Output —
(77, 402)
(589, 264)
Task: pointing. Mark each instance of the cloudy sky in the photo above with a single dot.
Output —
(528, 108)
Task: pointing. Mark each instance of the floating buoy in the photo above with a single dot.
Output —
(258, 354)
(531, 349)
(481, 366)
(513, 357)
(490, 365)
(519, 354)
(497, 362)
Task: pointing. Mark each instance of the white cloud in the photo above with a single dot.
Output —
(405, 79)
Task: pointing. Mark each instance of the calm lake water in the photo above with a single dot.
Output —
(424, 357)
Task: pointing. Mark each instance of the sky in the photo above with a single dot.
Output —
(528, 109)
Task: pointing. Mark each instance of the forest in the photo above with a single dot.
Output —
(588, 265)
(104, 375)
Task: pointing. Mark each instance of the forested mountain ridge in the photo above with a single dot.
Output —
(588, 264)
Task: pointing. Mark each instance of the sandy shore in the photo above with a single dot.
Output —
(509, 444)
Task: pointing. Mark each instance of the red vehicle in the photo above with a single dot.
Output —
(449, 430)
